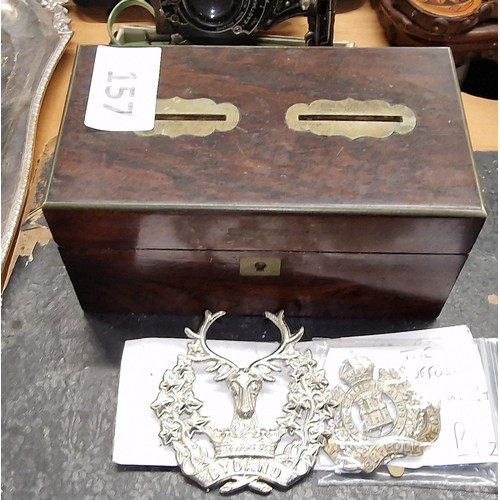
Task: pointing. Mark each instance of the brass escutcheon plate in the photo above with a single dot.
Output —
(351, 118)
(176, 117)
(260, 266)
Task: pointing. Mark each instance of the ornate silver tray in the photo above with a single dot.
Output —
(34, 36)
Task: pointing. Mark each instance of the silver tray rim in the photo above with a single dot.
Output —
(60, 24)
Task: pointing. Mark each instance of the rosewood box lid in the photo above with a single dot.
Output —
(408, 192)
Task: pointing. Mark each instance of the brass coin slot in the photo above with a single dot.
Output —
(191, 117)
(176, 117)
(260, 266)
(351, 118)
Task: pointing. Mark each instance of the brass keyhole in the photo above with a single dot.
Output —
(254, 265)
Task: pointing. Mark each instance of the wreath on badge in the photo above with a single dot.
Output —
(245, 455)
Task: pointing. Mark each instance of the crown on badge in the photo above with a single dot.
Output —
(261, 444)
(357, 370)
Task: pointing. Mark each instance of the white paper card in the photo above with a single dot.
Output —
(123, 89)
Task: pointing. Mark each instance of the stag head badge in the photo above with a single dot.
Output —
(245, 455)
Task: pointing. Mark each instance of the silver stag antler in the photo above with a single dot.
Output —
(244, 383)
(285, 351)
(199, 350)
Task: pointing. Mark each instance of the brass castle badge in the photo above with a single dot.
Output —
(377, 418)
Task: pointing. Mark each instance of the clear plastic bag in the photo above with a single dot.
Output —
(465, 477)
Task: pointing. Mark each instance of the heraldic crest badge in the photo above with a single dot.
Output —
(377, 418)
(246, 455)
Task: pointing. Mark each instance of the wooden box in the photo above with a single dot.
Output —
(300, 205)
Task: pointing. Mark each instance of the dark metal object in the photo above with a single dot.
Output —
(230, 21)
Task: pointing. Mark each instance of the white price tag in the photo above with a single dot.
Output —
(123, 89)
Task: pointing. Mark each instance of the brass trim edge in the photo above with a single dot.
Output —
(311, 209)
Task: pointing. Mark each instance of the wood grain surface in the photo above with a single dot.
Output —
(355, 21)
(366, 228)
(310, 284)
(262, 163)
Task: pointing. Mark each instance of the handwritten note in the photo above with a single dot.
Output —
(123, 90)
